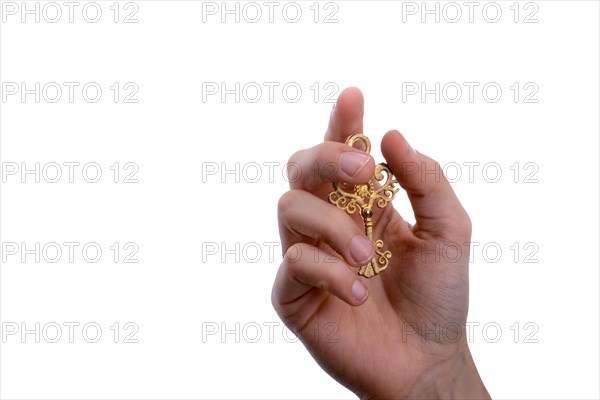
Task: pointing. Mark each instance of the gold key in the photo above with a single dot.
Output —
(363, 197)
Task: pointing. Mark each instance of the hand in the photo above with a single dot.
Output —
(400, 334)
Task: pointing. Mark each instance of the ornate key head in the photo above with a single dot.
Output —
(380, 192)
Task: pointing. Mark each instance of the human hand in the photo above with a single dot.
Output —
(399, 334)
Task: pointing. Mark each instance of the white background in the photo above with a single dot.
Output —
(185, 211)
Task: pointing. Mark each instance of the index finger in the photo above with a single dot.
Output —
(346, 118)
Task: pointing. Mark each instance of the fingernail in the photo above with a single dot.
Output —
(361, 249)
(359, 290)
(351, 162)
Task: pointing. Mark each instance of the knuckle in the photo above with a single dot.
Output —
(294, 166)
(291, 257)
(295, 158)
(286, 201)
(275, 302)
(461, 228)
(325, 162)
(466, 227)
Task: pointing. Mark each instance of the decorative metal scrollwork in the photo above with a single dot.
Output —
(363, 197)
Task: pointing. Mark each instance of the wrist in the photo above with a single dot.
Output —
(453, 378)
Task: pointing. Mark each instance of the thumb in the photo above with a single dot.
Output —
(434, 203)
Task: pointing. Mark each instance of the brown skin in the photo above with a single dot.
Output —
(382, 344)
